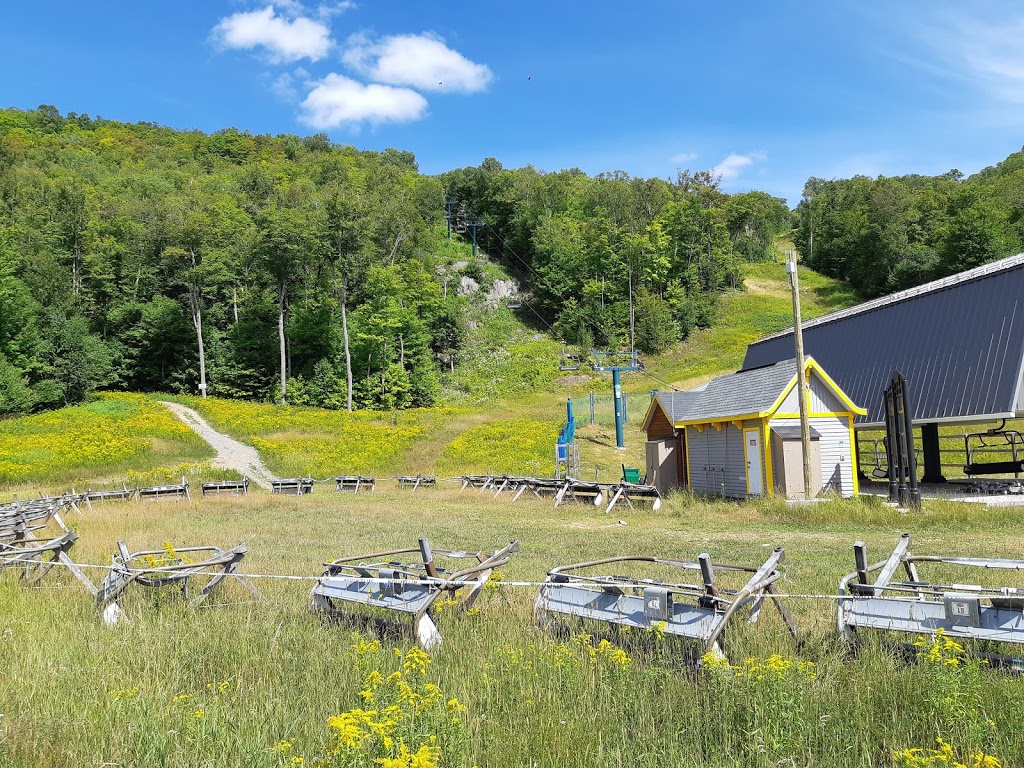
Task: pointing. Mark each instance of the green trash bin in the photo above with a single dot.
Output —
(630, 475)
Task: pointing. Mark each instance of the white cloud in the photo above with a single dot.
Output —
(421, 61)
(732, 166)
(285, 88)
(683, 157)
(337, 100)
(993, 56)
(979, 47)
(336, 9)
(285, 40)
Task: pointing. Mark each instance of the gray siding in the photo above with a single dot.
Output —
(822, 398)
(718, 465)
(836, 451)
(792, 402)
(960, 345)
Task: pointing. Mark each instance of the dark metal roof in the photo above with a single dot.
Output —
(959, 341)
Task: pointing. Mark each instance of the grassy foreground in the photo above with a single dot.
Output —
(269, 684)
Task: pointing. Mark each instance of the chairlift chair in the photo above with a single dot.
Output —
(698, 612)
(34, 538)
(380, 588)
(874, 598)
(196, 570)
(569, 361)
(997, 440)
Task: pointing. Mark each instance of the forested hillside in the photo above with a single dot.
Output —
(587, 245)
(138, 257)
(886, 234)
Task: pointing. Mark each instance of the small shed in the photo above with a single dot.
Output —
(739, 435)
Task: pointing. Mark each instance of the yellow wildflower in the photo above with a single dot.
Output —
(416, 660)
(658, 630)
(347, 728)
(943, 754)
(365, 648)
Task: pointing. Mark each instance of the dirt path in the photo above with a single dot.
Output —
(231, 454)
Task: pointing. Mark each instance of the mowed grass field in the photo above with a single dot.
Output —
(267, 683)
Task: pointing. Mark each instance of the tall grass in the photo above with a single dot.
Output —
(114, 434)
(77, 693)
(513, 446)
(296, 440)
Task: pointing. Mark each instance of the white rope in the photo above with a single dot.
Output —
(429, 581)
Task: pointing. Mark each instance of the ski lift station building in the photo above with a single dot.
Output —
(739, 435)
(959, 341)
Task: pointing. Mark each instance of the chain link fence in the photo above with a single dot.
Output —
(600, 409)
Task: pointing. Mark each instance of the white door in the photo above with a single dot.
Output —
(752, 441)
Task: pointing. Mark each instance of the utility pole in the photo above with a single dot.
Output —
(801, 377)
(632, 317)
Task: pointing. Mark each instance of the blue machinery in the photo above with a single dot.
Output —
(567, 453)
(618, 363)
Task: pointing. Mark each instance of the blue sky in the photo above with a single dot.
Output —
(767, 94)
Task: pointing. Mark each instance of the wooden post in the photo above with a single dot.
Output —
(801, 378)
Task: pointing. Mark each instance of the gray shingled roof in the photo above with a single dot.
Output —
(735, 394)
(676, 404)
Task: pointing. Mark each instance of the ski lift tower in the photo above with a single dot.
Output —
(618, 363)
(474, 223)
(449, 217)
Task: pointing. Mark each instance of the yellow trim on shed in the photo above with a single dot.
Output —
(810, 365)
(853, 458)
(686, 453)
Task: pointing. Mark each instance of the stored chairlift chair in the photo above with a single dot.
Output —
(877, 471)
(632, 487)
(25, 544)
(697, 612)
(999, 438)
(229, 487)
(170, 567)
(919, 607)
(164, 492)
(292, 486)
(355, 483)
(376, 590)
